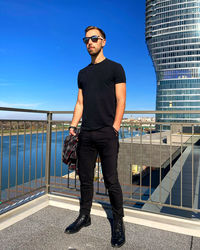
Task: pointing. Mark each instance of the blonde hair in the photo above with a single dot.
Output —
(94, 27)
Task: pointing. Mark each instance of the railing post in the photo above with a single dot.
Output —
(48, 152)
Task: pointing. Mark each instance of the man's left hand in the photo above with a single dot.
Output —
(116, 128)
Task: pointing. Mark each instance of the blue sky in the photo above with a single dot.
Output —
(41, 50)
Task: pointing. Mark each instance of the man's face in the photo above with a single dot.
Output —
(94, 47)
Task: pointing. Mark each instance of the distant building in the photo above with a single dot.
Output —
(173, 40)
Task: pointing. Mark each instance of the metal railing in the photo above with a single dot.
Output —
(159, 170)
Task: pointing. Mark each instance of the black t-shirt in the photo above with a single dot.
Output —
(97, 82)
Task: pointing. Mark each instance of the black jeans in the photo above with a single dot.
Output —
(105, 142)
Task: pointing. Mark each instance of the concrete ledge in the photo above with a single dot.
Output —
(162, 222)
(23, 211)
(152, 220)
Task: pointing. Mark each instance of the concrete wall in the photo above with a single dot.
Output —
(141, 154)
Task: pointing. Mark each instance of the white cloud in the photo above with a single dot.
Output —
(17, 115)
(10, 115)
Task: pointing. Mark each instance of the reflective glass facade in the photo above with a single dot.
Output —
(173, 40)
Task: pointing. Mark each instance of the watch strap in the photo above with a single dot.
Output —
(74, 128)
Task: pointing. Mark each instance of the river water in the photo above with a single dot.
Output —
(32, 162)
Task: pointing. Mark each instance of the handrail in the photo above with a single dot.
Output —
(149, 150)
(143, 112)
(126, 112)
(23, 110)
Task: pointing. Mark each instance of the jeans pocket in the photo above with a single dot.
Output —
(115, 131)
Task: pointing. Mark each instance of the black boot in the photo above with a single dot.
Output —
(81, 221)
(118, 233)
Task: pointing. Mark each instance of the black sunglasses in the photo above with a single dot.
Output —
(93, 38)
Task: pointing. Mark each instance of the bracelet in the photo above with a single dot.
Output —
(74, 128)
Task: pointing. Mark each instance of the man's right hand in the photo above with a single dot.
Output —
(72, 132)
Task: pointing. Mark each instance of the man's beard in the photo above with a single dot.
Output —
(95, 53)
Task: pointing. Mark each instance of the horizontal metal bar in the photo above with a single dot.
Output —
(123, 122)
(173, 123)
(56, 185)
(163, 112)
(163, 204)
(159, 123)
(143, 112)
(23, 110)
(61, 112)
(61, 121)
(16, 120)
(24, 194)
(64, 187)
(126, 112)
(139, 122)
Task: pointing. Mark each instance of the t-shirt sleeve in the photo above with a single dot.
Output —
(79, 81)
(119, 74)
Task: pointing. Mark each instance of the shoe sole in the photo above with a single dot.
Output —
(86, 225)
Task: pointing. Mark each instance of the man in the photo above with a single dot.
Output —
(101, 104)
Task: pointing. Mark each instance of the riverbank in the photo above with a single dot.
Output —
(33, 132)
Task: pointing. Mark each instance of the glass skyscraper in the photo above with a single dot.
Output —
(173, 40)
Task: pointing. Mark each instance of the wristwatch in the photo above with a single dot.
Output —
(74, 128)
